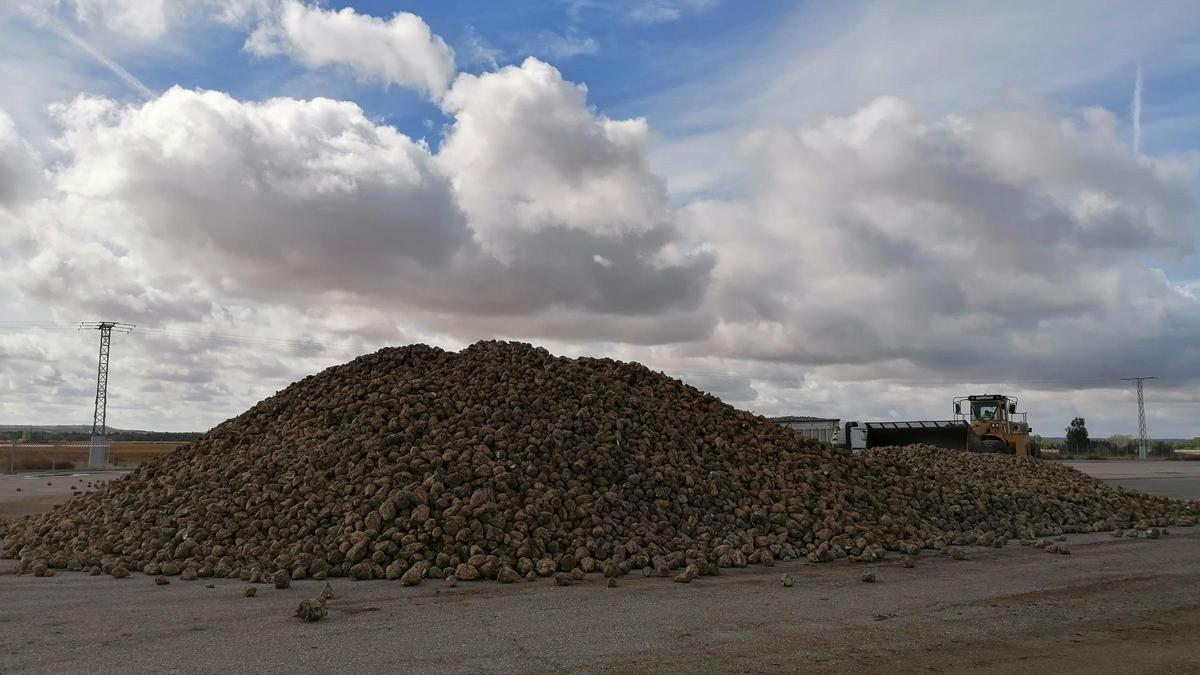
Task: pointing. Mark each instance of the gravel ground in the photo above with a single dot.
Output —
(1168, 478)
(33, 492)
(1112, 605)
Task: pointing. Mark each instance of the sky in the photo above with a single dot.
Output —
(855, 210)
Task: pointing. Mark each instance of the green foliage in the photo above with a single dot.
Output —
(1079, 446)
(1121, 440)
(1077, 435)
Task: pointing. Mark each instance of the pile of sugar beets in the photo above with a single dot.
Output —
(503, 461)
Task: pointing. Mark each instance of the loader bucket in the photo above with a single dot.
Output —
(949, 434)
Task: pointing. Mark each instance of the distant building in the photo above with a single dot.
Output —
(823, 429)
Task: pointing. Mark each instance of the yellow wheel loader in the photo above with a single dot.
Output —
(982, 423)
(996, 423)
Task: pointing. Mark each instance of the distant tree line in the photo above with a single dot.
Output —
(1079, 443)
(36, 436)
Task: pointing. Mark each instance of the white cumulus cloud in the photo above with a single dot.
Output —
(308, 201)
(401, 50)
(282, 192)
(527, 154)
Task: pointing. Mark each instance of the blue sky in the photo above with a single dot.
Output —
(671, 70)
(624, 61)
(848, 209)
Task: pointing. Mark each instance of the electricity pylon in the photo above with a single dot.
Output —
(1143, 444)
(98, 447)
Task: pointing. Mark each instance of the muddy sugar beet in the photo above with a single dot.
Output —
(503, 457)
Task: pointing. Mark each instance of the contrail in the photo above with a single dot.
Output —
(1137, 112)
(59, 27)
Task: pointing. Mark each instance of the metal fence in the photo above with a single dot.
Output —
(43, 456)
(75, 455)
(1098, 448)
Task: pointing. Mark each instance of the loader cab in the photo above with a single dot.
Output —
(986, 407)
(995, 420)
(988, 411)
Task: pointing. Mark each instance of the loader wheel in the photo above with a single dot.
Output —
(994, 446)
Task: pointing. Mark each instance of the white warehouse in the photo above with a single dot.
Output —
(823, 429)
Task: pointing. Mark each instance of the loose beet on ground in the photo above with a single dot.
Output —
(503, 456)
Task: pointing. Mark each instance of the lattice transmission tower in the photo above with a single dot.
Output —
(1143, 444)
(98, 450)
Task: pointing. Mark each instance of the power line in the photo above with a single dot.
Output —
(33, 325)
(974, 380)
(895, 380)
(230, 338)
(723, 376)
(183, 333)
(309, 344)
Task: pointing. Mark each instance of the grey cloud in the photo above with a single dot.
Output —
(1011, 241)
(727, 389)
(21, 176)
(555, 268)
(66, 273)
(566, 326)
